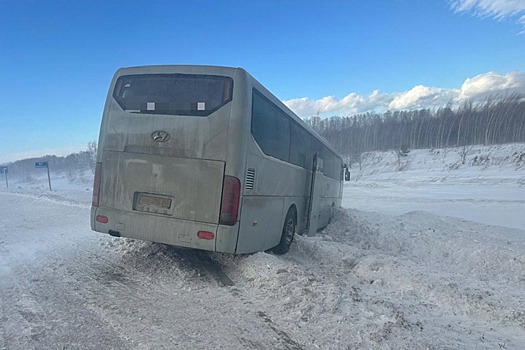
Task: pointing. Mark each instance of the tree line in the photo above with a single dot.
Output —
(74, 162)
(493, 121)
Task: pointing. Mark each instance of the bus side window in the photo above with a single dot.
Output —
(270, 128)
(300, 147)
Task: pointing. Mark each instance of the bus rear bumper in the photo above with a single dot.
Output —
(162, 229)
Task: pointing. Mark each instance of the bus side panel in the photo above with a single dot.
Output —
(277, 186)
(261, 224)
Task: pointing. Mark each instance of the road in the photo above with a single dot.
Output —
(62, 287)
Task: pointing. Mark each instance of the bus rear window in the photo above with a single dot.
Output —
(175, 94)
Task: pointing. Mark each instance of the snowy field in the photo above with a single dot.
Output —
(428, 257)
(489, 188)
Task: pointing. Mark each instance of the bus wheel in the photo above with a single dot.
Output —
(287, 235)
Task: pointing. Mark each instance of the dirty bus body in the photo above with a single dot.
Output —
(207, 158)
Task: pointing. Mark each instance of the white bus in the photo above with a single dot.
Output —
(207, 158)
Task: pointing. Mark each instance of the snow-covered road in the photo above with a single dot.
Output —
(65, 287)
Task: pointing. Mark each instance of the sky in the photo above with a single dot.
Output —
(334, 57)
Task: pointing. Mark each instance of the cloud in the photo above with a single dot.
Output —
(498, 9)
(423, 97)
(492, 83)
(350, 104)
(473, 89)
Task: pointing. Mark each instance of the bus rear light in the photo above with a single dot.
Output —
(96, 185)
(231, 192)
(205, 235)
(102, 219)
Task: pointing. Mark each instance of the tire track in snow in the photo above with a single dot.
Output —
(67, 284)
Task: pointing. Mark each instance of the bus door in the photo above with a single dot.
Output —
(314, 208)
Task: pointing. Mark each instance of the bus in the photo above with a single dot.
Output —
(206, 157)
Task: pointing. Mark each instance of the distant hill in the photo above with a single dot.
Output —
(73, 163)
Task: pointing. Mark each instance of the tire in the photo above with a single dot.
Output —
(287, 233)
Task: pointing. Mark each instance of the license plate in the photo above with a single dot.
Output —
(160, 202)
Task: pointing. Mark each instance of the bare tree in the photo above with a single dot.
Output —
(464, 152)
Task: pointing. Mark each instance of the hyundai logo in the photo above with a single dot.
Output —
(160, 136)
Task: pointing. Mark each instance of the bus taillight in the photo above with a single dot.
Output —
(231, 192)
(96, 185)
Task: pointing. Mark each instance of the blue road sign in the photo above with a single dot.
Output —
(3, 170)
(41, 165)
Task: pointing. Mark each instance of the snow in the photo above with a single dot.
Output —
(429, 257)
(489, 188)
